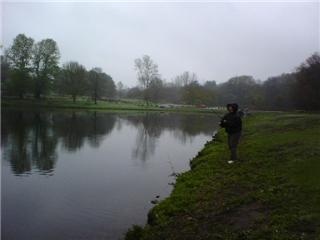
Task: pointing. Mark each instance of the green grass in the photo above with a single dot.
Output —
(87, 104)
(273, 193)
(81, 103)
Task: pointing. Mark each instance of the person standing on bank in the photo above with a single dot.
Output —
(233, 126)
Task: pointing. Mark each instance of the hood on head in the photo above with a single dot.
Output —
(234, 106)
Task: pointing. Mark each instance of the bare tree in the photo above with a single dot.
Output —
(147, 71)
(185, 79)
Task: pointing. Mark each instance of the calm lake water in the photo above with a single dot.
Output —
(90, 175)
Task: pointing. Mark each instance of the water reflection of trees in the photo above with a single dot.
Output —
(29, 138)
(78, 127)
(184, 127)
(149, 129)
(43, 142)
(28, 141)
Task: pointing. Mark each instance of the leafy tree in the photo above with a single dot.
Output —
(110, 86)
(237, 89)
(96, 84)
(73, 80)
(5, 71)
(135, 93)
(19, 57)
(171, 93)
(190, 92)
(307, 90)
(100, 84)
(156, 89)
(278, 92)
(20, 82)
(45, 65)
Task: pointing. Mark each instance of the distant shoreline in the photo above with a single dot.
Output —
(81, 104)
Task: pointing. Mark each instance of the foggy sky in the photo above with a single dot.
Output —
(216, 40)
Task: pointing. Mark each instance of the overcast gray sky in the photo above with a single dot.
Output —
(216, 40)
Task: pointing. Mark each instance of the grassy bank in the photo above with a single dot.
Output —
(273, 193)
(85, 104)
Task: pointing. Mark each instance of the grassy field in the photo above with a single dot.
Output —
(272, 193)
(81, 103)
(84, 103)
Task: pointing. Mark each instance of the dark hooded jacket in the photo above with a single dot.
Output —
(232, 121)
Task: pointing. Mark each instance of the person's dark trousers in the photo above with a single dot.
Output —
(233, 141)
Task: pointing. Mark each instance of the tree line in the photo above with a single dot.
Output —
(299, 89)
(32, 68)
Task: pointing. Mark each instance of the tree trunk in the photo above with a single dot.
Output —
(95, 94)
(74, 98)
(37, 88)
(146, 96)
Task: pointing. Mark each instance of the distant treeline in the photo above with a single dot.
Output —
(32, 69)
(296, 90)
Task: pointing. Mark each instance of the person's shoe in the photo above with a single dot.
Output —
(230, 162)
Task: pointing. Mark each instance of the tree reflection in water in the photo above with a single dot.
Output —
(149, 129)
(184, 127)
(43, 143)
(78, 127)
(30, 138)
(29, 141)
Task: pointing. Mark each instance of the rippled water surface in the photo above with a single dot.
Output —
(90, 175)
